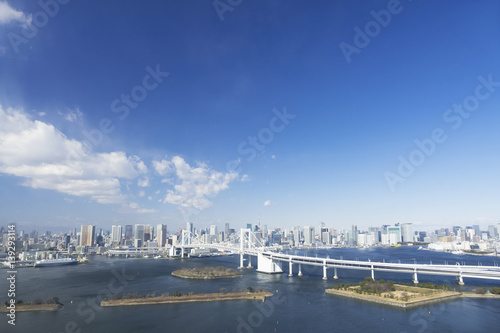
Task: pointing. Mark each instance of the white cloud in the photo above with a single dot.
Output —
(245, 178)
(47, 159)
(73, 115)
(142, 194)
(168, 181)
(267, 203)
(41, 114)
(164, 167)
(193, 184)
(9, 14)
(273, 157)
(146, 211)
(143, 182)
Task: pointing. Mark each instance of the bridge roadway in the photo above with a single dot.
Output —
(270, 262)
(459, 271)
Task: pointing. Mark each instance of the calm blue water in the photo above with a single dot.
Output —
(299, 304)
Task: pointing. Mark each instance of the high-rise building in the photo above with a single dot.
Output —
(326, 237)
(116, 233)
(296, 236)
(264, 231)
(189, 227)
(87, 235)
(213, 230)
(354, 235)
(477, 230)
(139, 233)
(226, 230)
(394, 234)
(492, 231)
(407, 232)
(161, 235)
(148, 232)
(129, 231)
(308, 235)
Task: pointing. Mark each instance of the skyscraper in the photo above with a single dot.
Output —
(213, 230)
(116, 233)
(129, 231)
(139, 234)
(296, 236)
(161, 234)
(308, 235)
(394, 234)
(148, 232)
(407, 232)
(87, 235)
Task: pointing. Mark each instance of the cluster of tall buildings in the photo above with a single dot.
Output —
(146, 235)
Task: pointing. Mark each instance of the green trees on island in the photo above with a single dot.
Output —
(495, 290)
(206, 272)
(368, 286)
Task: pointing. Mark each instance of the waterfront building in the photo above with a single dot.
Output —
(308, 235)
(326, 237)
(161, 235)
(116, 234)
(361, 240)
(129, 231)
(139, 234)
(87, 235)
(394, 233)
(407, 232)
(138, 242)
(148, 232)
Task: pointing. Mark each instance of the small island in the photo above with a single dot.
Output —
(207, 273)
(52, 304)
(177, 297)
(398, 295)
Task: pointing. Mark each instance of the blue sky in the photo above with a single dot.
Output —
(123, 112)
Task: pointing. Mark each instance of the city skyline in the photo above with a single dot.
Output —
(298, 115)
